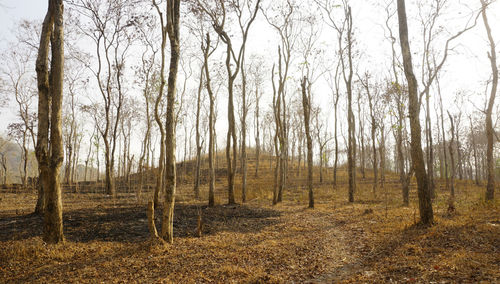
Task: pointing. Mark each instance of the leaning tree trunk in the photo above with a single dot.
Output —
(490, 186)
(424, 196)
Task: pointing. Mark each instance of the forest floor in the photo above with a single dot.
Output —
(374, 239)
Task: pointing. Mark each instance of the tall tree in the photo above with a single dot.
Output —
(346, 53)
(218, 14)
(492, 55)
(424, 195)
(283, 19)
(452, 161)
(372, 101)
(207, 51)
(108, 27)
(49, 147)
(306, 105)
(172, 27)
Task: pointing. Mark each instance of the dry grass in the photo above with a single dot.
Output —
(374, 239)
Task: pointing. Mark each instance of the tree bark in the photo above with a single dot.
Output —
(211, 124)
(173, 16)
(490, 186)
(452, 159)
(424, 196)
(198, 144)
(50, 89)
(306, 104)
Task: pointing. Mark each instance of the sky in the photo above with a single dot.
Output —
(466, 69)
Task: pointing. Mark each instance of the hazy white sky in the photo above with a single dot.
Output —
(466, 69)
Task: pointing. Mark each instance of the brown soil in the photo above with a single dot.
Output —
(372, 240)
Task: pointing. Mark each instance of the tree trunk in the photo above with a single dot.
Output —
(444, 139)
(198, 144)
(173, 15)
(243, 134)
(474, 149)
(257, 132)
(424, 196)
(430, 147)
(50, 90)
(335, 163)
(211, 124)
(382, 156)
(490, 186)
(306, 104)
(452, 160)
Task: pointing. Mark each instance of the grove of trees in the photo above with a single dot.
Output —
(104, 90)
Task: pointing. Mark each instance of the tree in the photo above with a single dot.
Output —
(490, 186)
(207, 51)
(444, 134)
(147, 75)
(424, 195)
(322, 137)
(198, 138)
(284, 22)
(452, 162)
(399, 93)
(430, 69)
(19, 82)
(217, 12)
(334, 84)
(474, 149)
(108, 27)
(372, 102)
(345, 35)
(50, 96)
(75, 82)
(172, 28)
(306, 105)
(256, 73)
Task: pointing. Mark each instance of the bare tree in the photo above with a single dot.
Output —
(431, 67)
(306, 104)
(257, 79)
(283, 19)
(452, 162)
(108, 27)
(372, 102)
(217, 12)
(18, 81)
(345, 36)
(424, 195)
(147, 76)
(474, 149)
(438, 86)
(334, 84)
(207, 51)
(198, 138)
(50, 97)
(490, 186)
(172, 28)
(322, 137)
